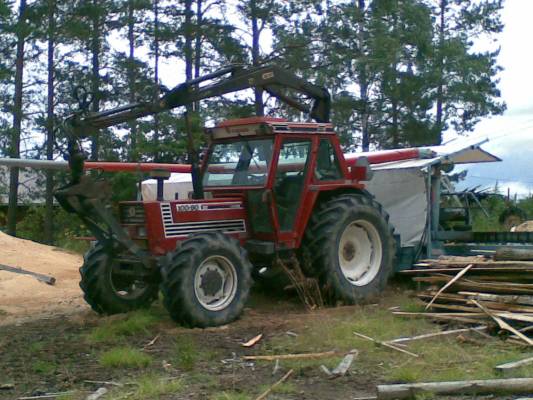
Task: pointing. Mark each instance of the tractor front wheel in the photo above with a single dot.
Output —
(111, 287)
(351, 247)
(207, 280)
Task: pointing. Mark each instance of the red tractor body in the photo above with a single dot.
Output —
(270, 206)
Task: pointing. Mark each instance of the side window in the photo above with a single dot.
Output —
(327, 163)
(290, 176)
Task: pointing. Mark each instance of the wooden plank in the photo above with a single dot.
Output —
(474, 269)
(508, 299)
(264, 395)
(294, 356)
(514, 364)
(467, 284)
(513, 254)
(489, 304)
(504, 325)
(50, 280)
(437, 334)
(450, 283)
(386, 344)
(490, 386)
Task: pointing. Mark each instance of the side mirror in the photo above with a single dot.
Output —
(361, 170)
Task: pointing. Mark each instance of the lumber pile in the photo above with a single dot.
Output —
(478, 290)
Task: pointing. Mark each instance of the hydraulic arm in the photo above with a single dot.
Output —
(85, 197)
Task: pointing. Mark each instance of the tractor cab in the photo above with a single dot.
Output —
(277, 168)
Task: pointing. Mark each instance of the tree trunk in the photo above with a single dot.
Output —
(49, 196)
(198, 45)
(440, 88)
(17, 123)
(95, 76)
(156, 78)
(363, 79)
(256, 33)
(188, 40)
(408, 391)
(131, 79)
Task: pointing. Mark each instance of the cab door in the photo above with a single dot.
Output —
(273, 211)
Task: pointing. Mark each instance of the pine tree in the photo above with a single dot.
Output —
(21, 32)
(466, 80)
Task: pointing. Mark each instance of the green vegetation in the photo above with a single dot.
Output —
(440, 359)
(125, 357)
(133, 323)
(35, 347)
(187, 353)
(231, 396)
(151, 387)
(44, 367)
(282, 388)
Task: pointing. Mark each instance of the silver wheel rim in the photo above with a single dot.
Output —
(360, 252)
(215, 283)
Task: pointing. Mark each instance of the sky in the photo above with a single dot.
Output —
(511, 134)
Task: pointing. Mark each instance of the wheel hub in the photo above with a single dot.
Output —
(348, 251)
(215, 283)
(211, 282)
(360, 252)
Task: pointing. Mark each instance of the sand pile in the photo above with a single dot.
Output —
(22, 296)
(524, 227)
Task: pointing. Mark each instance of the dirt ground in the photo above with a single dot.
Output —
(22, 297)
(51, 342)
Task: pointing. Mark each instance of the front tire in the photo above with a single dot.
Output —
(106, 291)
(207, 280)
(351, 247)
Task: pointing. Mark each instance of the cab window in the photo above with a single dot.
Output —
(327, 163)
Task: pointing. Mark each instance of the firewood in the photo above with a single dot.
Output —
(283, 379)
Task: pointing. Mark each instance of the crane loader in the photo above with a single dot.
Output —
(266, 188)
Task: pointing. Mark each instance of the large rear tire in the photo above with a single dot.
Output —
(351, 247)
(109, 292)
(207, 280)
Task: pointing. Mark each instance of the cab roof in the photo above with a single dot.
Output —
(254, 126)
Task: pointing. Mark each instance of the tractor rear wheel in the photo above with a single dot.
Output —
(207, 280)
(107, 290)
(351, 247)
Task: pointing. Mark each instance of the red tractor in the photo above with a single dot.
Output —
(266, 188)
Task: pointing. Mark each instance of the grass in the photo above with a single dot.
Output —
(187, 353)
(151, 387)
(35, 347)
(441, 359)
(124, 357)
(44, 367)
(282, 388)
(231, 396)
(134, 323)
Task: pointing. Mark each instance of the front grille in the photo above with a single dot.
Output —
(176, 229)
(132, 214)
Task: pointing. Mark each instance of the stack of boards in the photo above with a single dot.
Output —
(496, 290)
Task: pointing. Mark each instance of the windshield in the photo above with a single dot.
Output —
(242, 163)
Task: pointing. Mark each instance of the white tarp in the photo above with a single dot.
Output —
(402, 192)
(177, 187)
